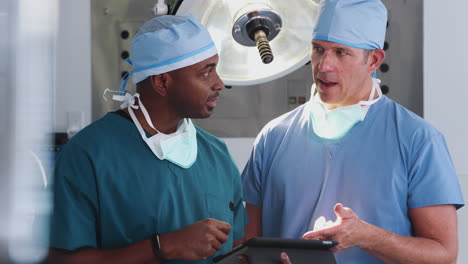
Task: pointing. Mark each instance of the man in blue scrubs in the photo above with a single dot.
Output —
(143, 184)
(354, 155)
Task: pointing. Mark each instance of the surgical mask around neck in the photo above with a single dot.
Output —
(336, 123)
(179, 147)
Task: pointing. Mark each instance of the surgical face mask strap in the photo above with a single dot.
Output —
(128, 101)
(375, 87)
(156, 144)
(158, 153)
(119, 97)
(145, 113)
(131, 106)
(148, 119)
(135, 120)
(372, 93)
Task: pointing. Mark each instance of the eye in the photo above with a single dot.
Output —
(206, 73)
(341, 52)
(317, 49)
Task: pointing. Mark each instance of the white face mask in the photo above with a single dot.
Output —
(334, 124)
(179, 147)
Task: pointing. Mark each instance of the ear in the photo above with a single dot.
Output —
(159, 83)
(376, 58)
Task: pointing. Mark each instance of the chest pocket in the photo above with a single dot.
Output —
(219, 207)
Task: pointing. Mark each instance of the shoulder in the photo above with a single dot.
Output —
(406, 121)
(207, 139)
(279, 127)
(215, 149)
(99, 133)
(411, 131)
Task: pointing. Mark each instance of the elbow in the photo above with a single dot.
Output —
(452, 258)
(450, 255)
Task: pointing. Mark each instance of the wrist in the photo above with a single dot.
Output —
(157, 250)
(166, 246)
(373, 236)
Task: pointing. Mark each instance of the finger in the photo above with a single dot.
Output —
(343, 212)
(309, 235)
(322, 234)
(211, 252)
(223, 226)
(220, 235)
(216, 245)
(243, 259)
(285, 258)
(313, 235)
(337, 248)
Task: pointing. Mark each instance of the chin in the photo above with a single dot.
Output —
(203, 115)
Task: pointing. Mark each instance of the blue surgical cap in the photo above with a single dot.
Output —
(355, 23)
(167, 43)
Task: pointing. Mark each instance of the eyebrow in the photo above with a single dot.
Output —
(344, 49)
(209, 65)
(336, 48)
(315, 44)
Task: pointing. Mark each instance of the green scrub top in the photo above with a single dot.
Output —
(111, 191)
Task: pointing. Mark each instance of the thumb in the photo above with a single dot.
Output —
(319, 234)
(343, 212)
(285, 258)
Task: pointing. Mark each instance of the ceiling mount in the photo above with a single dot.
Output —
(282, 28)
(258, 28)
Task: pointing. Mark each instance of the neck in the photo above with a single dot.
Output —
(162, 118)
(361, 96)
(369, 84)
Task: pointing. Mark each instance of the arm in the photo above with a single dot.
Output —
(140, 252)
(254, 227)
(435, 241)
(197, 241)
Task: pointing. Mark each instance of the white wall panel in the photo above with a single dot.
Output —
(446, 89)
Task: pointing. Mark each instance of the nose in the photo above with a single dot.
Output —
(326, 62)
(218, 83)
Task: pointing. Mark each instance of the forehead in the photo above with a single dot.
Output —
(332, 45)
(204, 63)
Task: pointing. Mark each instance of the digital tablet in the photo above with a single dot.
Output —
(265, 250)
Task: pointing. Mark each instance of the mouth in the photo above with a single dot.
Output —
(211, 102)
(326, 84)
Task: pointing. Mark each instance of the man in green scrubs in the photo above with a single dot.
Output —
(143, 184)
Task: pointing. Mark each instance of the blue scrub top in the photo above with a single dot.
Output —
(111, 191)
(388, 163)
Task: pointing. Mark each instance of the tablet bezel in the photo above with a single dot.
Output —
(269, 242)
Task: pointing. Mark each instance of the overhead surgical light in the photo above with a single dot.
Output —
(281, 30)
(257, 28)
